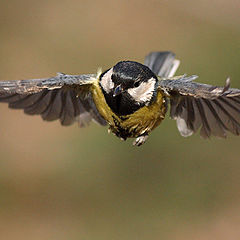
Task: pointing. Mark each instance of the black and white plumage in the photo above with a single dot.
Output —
(131, 98)
(138, 85)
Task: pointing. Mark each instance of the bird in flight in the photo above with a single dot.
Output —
(131, 98)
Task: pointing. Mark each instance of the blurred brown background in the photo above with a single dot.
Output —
(69, 183)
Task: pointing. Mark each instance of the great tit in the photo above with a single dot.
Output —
(131, 98)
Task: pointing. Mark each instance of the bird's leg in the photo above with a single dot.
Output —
(117, 135)
(140, 140)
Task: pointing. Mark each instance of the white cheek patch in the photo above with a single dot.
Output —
(144, 92)
(106, 81)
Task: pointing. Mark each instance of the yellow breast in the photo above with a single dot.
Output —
(146, 118)
(142, 121)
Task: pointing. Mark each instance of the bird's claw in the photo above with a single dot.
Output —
(140, 140)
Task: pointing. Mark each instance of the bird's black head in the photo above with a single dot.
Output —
(128, 86)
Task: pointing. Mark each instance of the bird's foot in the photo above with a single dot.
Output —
(140, 140)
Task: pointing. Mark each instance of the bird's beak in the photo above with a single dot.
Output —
(117, 91)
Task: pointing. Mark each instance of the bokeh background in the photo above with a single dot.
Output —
(70, 183)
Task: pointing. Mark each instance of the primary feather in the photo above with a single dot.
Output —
(64, 97)
(215, 109)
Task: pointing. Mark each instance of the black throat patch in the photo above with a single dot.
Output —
(121, 105)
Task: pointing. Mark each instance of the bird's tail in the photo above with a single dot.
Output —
(163, 64)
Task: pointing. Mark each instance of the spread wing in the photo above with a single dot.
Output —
(163, 64)
(215, 110)
(64, 97)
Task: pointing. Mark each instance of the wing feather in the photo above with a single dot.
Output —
(53, 110)
(38, 106)
(215, 110)
(205, 131)
(67, 115)
(217, 126)
(64, 97)
(37, 85)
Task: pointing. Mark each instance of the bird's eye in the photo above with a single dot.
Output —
(136, 84)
